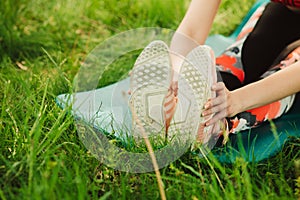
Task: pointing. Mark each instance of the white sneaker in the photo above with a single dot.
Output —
(149, 84)
(155, 108)
(200, 73)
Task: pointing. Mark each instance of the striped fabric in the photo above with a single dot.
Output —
(169, 106)
(294, 3)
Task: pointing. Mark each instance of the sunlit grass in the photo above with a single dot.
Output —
(42, 156)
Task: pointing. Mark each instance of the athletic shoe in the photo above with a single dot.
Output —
(149, 84)
(200, 73)
(159, 108)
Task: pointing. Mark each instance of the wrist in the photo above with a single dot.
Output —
(235, 103)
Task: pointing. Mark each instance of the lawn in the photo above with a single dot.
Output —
(43, 44)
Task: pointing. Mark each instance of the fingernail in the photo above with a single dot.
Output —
(203, 113)
(206, 105)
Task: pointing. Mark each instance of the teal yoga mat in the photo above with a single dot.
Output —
(262, 142)
(254, 145)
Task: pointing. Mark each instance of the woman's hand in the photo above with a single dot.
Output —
(220, 106)
(270, 89)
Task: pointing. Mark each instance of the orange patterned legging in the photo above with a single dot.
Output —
(232, 69)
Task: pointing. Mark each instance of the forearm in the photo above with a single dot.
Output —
(193, 30)
(198, 20)
(273, 88)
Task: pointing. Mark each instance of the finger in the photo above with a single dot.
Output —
(214, 102)
(215, 109)
(216, 117)
(217, 100)
(218, 86)
(221, 92)
(220, 98)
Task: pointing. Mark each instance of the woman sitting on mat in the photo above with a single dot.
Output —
(261, 69)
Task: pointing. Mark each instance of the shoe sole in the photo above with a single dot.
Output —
(150, 78)
(150, 81)
(200, 73)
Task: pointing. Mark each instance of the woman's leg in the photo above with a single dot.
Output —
(275, 30)
(229, 64)
(269, 30)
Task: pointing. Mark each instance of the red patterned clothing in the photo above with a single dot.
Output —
(269, 42)
(293, 3)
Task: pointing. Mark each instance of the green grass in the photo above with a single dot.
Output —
(41, 155)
